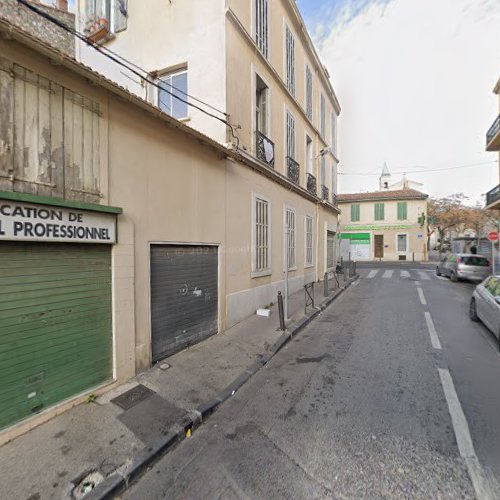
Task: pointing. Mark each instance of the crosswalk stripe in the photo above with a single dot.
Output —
(387, 274)
(405, 274)
(372, 273)
(423, 276)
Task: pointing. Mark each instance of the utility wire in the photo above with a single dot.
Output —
(426, 170)
(115, 58)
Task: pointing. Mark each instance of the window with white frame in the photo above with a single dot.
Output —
(309, 240)
(290, 135)
(262, 26)
(309, 93)
(261, 105)
(172, 93)
(334, 133)
(290, 60)
(261, 234)
(322, 112)
(402, 242)
(290, 236)
(103, 17)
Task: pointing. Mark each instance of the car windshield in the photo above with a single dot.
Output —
(475, 261)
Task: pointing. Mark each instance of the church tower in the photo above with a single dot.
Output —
(385, 178)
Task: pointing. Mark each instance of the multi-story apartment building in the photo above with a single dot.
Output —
(251, 60)
(493, 144)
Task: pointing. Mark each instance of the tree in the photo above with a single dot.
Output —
(480, 220)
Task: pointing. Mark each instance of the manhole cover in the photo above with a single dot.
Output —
(133, 397)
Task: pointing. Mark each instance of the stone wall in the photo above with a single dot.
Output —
(39, 27)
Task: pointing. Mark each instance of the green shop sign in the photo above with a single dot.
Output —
(377, 228)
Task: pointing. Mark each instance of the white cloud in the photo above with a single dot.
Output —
(414, 79)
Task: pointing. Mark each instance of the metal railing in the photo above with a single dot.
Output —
(325, 193)
(493, 196)
(293, 169)
(335, 201)
(493, 130)
(265, 148)
(311, 184)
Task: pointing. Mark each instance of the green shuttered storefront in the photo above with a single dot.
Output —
(55, 324)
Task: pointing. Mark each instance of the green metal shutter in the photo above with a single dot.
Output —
(55, 324)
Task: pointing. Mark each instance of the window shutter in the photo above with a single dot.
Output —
(120, 15)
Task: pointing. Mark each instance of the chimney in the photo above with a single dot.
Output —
(62, 5)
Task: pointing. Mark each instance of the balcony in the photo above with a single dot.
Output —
(311, 184)
(335, 201)
(325, 193)
(265, 149)
(493, 136)
(293, 170)
(493, 198)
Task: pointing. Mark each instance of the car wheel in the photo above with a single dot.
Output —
(438, 272)
(473, 311)
(453, 277)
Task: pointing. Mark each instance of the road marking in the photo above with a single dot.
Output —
(423, 276)
(387, 274)
(372, 273)
(421, 296)
(432, 331)
(404, 274)
(482, 487)
(417, 283)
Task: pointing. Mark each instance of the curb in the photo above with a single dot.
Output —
(120, 480)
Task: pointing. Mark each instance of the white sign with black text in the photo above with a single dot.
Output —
(26, 222)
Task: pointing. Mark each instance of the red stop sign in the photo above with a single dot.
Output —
(493, 236)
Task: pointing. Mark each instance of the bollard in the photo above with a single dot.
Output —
(325, 285)
(355, 270)
(281, 312)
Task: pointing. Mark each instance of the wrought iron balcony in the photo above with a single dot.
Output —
(493, 198)
(311, 184)
(335, 201)
(293, 170)
(493, 136)
(325, 193)
(265, 148)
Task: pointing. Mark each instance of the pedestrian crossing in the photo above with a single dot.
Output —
(414, 274)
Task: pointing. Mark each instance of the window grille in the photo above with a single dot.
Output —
(262, 26)
(290, 60)
(309, 93)
(261, 235)
(290, 247)
(309, 240)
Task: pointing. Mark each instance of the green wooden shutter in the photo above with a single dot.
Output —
(402, 210)
(55, 324)
(354, 213)
(379, 211)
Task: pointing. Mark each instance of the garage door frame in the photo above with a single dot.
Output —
(219, 281)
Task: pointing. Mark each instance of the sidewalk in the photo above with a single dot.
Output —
(104, 441)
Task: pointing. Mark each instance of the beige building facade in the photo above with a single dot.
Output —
(493, 144)
(383, 226)
(126, 235)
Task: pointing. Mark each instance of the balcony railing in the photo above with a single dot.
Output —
(325, 193)
(293, 170)
(493, 196)
(265, 148)
(311, 184)
(335, 201)
(493, 131)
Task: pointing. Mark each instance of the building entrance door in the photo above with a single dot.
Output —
(379, 246)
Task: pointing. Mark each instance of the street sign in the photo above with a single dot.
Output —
(493, 236)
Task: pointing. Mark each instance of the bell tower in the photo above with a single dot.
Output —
(385, 178)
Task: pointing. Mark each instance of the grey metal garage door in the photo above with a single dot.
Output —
(184, 299)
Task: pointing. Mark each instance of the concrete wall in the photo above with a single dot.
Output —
(39, 27)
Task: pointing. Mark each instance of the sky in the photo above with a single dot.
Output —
(415, 82)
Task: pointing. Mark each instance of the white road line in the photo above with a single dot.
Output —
(372, 273)
(423, 276)
(421, 296)
(404, 274)
(482, 486)
(432, 331)
(387, 274)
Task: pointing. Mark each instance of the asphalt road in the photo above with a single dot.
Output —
(375, 399)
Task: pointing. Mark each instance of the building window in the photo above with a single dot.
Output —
(290, 236)
(290, 60)
(262, 26)
(379, 211)
(290, 135)
(261, 105)
(261, 235)
(172, 94)
(322, 113)
(402, 210)
(334, 133)
(355, 212)
(323, 171)
(330, 249)
(309, 93)
(309, 155)
(103, 17)
(334, 178)
(309, 240)
(402, 242)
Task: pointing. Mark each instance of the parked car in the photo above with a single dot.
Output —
(465, 266)
(485, 304)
